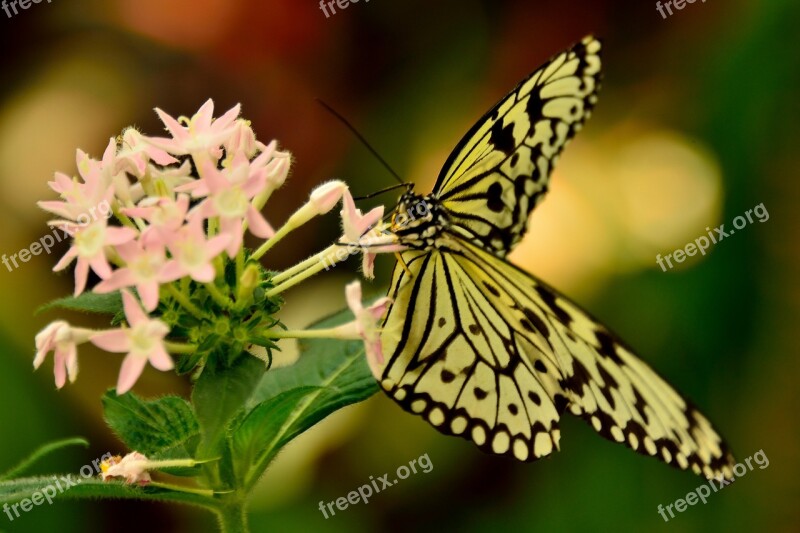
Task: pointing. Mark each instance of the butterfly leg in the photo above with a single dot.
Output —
(403, 264)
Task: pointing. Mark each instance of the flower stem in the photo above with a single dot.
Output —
(180, 488)
(327, 333)
(239, 264)
(184, 301)
(126, 221)
(307, 273)
(233, 519)
(272, 241)
(303, 265)
(222, 300)
(179, 347)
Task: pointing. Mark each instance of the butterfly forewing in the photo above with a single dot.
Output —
(500, 169)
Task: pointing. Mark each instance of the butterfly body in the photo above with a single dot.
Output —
(482, 349)
(418, 220)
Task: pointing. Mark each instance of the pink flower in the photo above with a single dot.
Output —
(355, 226)
(171, 177)
(80, 198)
(136, 152)
(132, 467)
(321, 200)
(63, 339)
(326, 196)
(192, 254)
(144, 341)
(89, 247)
(229, 193)
(202, 134)
(165, 216)
(144, 266)
(242, 140)
(275, 163)
(365, 325)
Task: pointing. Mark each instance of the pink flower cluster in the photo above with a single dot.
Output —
(161, 238)
(177, 207)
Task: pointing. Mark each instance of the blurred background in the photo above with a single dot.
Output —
(697, 123)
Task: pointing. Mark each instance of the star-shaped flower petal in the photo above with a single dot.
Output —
(365, 325)
(63, 339)
(143, 341)
(356, 226)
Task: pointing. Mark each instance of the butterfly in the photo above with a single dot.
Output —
(483, 350)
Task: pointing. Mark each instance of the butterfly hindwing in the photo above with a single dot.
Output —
(604, 382)
(483, 350)
(500, 169)
(452, 358)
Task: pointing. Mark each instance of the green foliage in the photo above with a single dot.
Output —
(88, 302)
(79, 487)
(329, 375)
(165, 428)
(41, 452)
(218, 397)
(239, 417)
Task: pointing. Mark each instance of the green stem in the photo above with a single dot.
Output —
(239, 264)
(307, 273)
(327, 333)
(179, 488)
(126, 221)
(222, 300)
(179, 347)
(272, 241)
(213, 226)
(184, 301)
(40, 452)
(233, 518)
(303, 265)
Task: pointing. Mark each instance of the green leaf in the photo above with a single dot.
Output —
(41, 452)
(90, 302)
(218, 397)
(56, 487)
(164, 428)
(329, 375)
(257, 430)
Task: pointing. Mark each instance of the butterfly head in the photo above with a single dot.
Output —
(417, 219)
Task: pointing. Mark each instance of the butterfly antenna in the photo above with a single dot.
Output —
(363, 141)
(387, 189)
